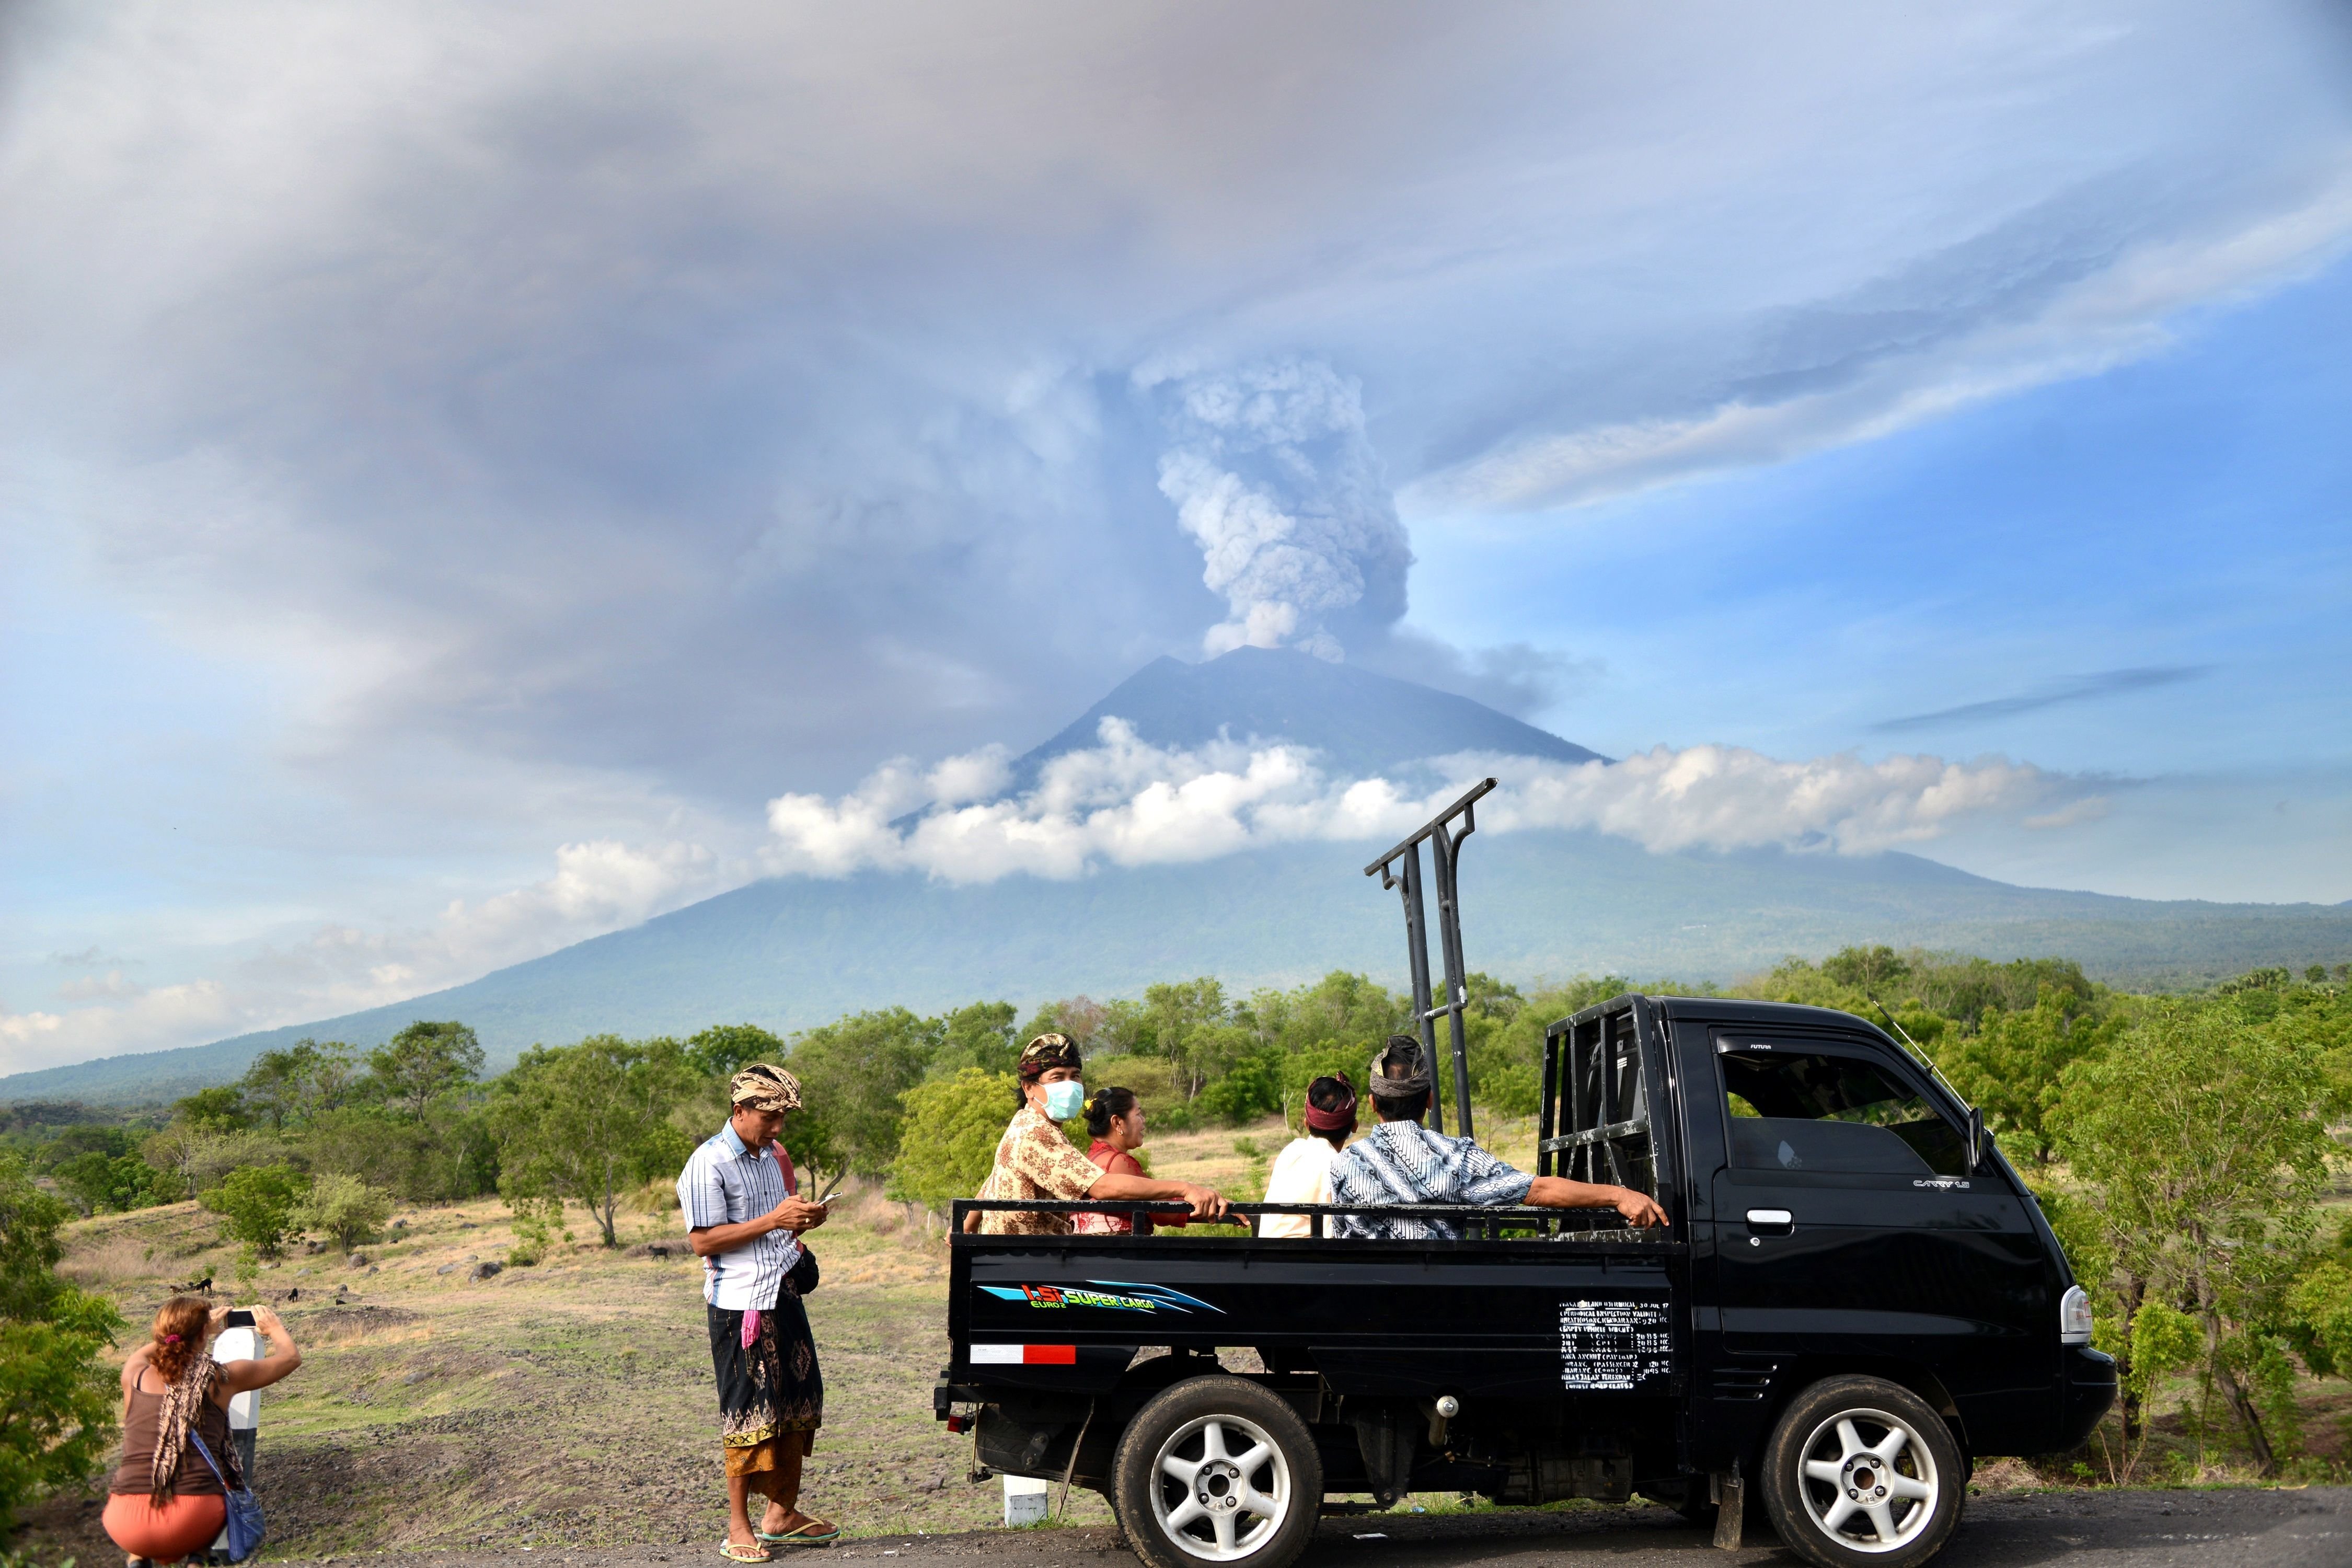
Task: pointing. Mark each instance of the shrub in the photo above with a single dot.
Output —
(257, 1202)
(537, 1223)
(100, 1183)
(56, 1408)
(343, 1207)
(951, 1132)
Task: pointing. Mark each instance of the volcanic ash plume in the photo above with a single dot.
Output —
(1272, 475)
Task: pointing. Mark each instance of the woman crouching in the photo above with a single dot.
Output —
(169, 1499)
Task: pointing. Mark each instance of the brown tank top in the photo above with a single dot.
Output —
(194, 1478)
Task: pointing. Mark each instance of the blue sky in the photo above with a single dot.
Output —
(457, 473)
(2183, 521)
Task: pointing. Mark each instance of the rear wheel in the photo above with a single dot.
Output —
(1861, 1470)
(1216, 1469)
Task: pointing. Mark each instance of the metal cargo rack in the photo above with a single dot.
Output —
(1595, 1125)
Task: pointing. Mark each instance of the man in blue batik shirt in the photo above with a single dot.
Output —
(1401, 1161)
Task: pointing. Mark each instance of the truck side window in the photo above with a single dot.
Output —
(1799, 1110)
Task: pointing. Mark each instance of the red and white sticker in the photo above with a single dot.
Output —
(1024, 1355)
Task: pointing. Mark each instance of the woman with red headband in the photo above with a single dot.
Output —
(167, 1501)
(1302, 1171)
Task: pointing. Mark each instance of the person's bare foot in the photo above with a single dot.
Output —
(778, 1519)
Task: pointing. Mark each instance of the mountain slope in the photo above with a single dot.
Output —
(791, 953)
(1361, 722)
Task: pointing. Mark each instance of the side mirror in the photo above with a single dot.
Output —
(1976, 1138)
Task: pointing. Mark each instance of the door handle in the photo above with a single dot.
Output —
(1772, 1222)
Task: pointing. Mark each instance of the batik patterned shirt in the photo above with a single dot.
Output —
(1405, 1162)
(1034, 1161)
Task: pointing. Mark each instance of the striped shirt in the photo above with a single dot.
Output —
(1405, 1162)
(727, 1182)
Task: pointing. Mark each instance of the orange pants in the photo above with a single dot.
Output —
(183, 1526)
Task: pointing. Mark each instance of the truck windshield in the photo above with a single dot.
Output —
(1819, 1111)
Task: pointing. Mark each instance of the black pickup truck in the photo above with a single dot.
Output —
(1856, 1300)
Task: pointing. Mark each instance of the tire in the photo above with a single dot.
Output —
(1863, 1473)
(1217, 1470)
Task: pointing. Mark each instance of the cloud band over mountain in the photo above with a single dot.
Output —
(1128, 802)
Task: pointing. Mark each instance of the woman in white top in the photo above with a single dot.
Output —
(1302, 1172)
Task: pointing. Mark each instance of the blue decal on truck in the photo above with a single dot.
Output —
(1114, 1294)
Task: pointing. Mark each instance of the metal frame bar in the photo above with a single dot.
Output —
(1597, 1093)
(1445, 856)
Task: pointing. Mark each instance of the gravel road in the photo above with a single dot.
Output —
(2248, 1528)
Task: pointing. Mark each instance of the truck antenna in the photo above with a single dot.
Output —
(1920, 1052)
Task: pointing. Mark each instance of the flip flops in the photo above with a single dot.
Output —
(815, 1533)
(735, 1554)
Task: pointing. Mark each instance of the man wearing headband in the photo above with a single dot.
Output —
(1302, 1171)
(1401, 1161)
(744, 1222)
(1036, 1161)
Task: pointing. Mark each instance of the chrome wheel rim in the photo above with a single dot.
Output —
(1220, 1487)
(1869, 1482)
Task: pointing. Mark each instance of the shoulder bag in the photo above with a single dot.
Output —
(245, 1523)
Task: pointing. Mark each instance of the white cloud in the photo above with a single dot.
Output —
(1127, 802)
(2119, 314)
(597, 886)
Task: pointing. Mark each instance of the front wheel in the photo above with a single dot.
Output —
(1216, 1469)
(1862, 1471)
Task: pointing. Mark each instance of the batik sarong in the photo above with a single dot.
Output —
(771, 1392)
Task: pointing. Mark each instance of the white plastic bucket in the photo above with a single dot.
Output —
(1024, 1500)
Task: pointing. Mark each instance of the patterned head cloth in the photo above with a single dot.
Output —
(1399, 1071)
(1342, 1112)
(1048, 1051)
(765, 1088)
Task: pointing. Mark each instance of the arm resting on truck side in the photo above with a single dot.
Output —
(1560, 1192)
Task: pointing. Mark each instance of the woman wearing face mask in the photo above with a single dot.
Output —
(1115, 1123)
(1036, 1161)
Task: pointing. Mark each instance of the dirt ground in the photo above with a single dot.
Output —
(570, 1403)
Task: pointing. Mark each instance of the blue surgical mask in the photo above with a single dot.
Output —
(1064, 1099)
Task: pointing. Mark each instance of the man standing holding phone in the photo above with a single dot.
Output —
(744, 1223)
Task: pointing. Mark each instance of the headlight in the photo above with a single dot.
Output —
(2075, 1316)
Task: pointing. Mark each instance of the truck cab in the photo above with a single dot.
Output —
(1856, 1300)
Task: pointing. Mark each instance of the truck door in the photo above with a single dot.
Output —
(1850, 1234)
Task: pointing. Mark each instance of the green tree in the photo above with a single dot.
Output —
(586, 1122)
(218, 1110)
(2012, 1067)
(952, 1128)
(2199, 1141)
(981, 1034)
(422, 1062)
(303, 1081)
(258, 1202)
(722, 1049)
(114, 1185)
(342, 1207)
(1866, 969)
(56, 1409)
(853, 1072)
(1186, 1018)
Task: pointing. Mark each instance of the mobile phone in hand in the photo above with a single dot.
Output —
(239, 1318)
